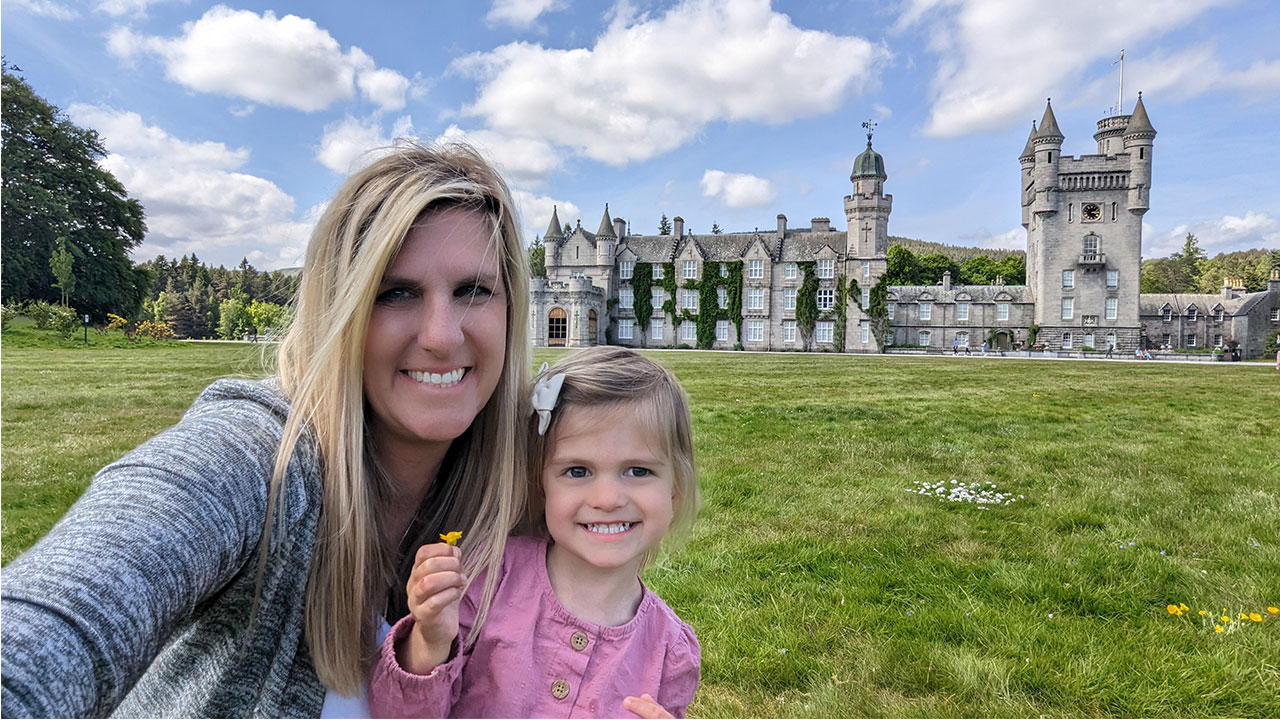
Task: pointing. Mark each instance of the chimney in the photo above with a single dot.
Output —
(782, 226)
(820, 224)
(1227, 292)
(679, 223)
(619, 227)
(946, 280)
(1273, 285)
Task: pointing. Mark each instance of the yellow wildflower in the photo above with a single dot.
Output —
(1243, 616)
(1217, 628)
(1273, 610)
(1226, 619)
(1183, 606)
(452, 537)
(1204, 612)
(1255, 617)
(1173, 609)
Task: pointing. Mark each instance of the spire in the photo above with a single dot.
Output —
(555, 229)
(1049, 124)
(1139, 123)
(1029, 151)
(606, 225)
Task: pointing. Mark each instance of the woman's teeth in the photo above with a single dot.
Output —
(609, 528)
(444, 380)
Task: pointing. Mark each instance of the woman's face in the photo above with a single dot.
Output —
(437, 333)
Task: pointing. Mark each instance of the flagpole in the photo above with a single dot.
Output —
(1120, 97)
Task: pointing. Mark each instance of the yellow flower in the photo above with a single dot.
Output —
(1183, 606)
(452, 537)
(1226, 619)
(1243, 616)
(1173, 609)
(1217, 628)
(1273, 610)
(1204, 612)
(1255, 617)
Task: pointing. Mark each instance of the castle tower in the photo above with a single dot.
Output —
(553, 239)
(867, 209)
(1084, 231)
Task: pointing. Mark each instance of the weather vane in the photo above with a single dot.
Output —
(870, 127)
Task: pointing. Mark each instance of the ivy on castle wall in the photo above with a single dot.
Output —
(709, 310)
(807, 303)
(642, 289)
(842, 309)
(669, 285)
(877, 311)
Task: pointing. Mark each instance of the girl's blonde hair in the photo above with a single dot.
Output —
(616, 378)
(320, 366)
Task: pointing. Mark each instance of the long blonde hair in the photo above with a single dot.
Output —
(479, 488)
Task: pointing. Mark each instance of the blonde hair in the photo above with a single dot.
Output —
(320, 366)
(614, 378)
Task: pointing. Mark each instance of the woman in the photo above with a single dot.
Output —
(240, 563)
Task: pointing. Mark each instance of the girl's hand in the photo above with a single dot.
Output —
(646, 707)
(434, 589)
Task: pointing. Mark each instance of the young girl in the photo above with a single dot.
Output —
(572, 630)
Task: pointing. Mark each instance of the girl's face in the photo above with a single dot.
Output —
(609, 490)
(437, 333)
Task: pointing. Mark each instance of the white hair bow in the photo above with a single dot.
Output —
(545, 394)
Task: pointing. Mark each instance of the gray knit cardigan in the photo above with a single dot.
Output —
(137, 603)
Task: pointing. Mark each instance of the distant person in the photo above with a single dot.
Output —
(242, 562)
(984, 348)
(1110, 348)
(613, 472)
(955, 346)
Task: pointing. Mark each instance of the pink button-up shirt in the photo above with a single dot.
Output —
(534, 659)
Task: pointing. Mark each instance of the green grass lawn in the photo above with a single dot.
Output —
(819, 582)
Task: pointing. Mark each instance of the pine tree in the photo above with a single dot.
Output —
(664, 225)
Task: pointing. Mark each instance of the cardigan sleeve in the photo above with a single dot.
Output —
(681, 672)
(396, 693)
(157, 533)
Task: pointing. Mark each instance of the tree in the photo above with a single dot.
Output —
(60, 263)
(664, 225)
(538, 257)
(51, 187)
(902, 266)
(715, 228)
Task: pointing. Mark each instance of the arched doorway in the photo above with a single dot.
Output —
(557, 327)
(594, 325)
(1002, 340)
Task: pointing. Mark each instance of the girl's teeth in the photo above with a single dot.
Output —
(610, 528)
(449, 379)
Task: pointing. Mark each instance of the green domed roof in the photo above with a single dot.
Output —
(868, 164)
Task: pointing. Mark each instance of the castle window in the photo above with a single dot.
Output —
(925, 337)
(659, 272)
(1142, 153)
(866, 332)
(755, 299)
(755, 269)
(688, 331)
(1002, 311)
(690, 269)
(1191, 313)
(1221, 314)
(866, 298)
(655, 329)
(1217, 341)
(593, 326)
(825, 331)
(1066, 341)
(625, 269)
(1275, 314)
(1088, 341)
(722, 330)
(926, 311)
(1165, 339)
(788, 331)
(1113, 212)
(755, 331)
(626, 298)
(1113, 279)
(1068, 308)
(962, 312)
(866, 270)
(826, 269)
(1167, 316)
(657, 296)
(1090, 244)
(722, 297)
(1068, 279)
(789, 299)
(963, 339)
(889, 307)
(789, 271)
(1111, 340)
(1191, 340)
(1111, 308)
(624, 328)
(577, 251)
(689, 300)
(1071, 212)
(826, 298)
(724, 270)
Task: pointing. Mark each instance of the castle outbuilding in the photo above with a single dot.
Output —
(811, 288)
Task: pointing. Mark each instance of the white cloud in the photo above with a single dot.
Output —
(352, 143)
(117, 8)
(737, 190)
(1228, 233)
(522, 160)
(650, 84)
(43, 8)
(535, 212)
(985, 48)
(284, 62)
(195, 198)
(1015, 239)
(520, 13)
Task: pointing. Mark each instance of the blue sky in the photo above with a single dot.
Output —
(233, 123)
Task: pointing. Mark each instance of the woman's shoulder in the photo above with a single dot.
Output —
(242, 398)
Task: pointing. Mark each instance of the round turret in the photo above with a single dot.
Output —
(868, 164)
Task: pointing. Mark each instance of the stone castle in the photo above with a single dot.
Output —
(1083, 217)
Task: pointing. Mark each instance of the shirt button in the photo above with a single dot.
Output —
(559, 689)
(579, 641)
